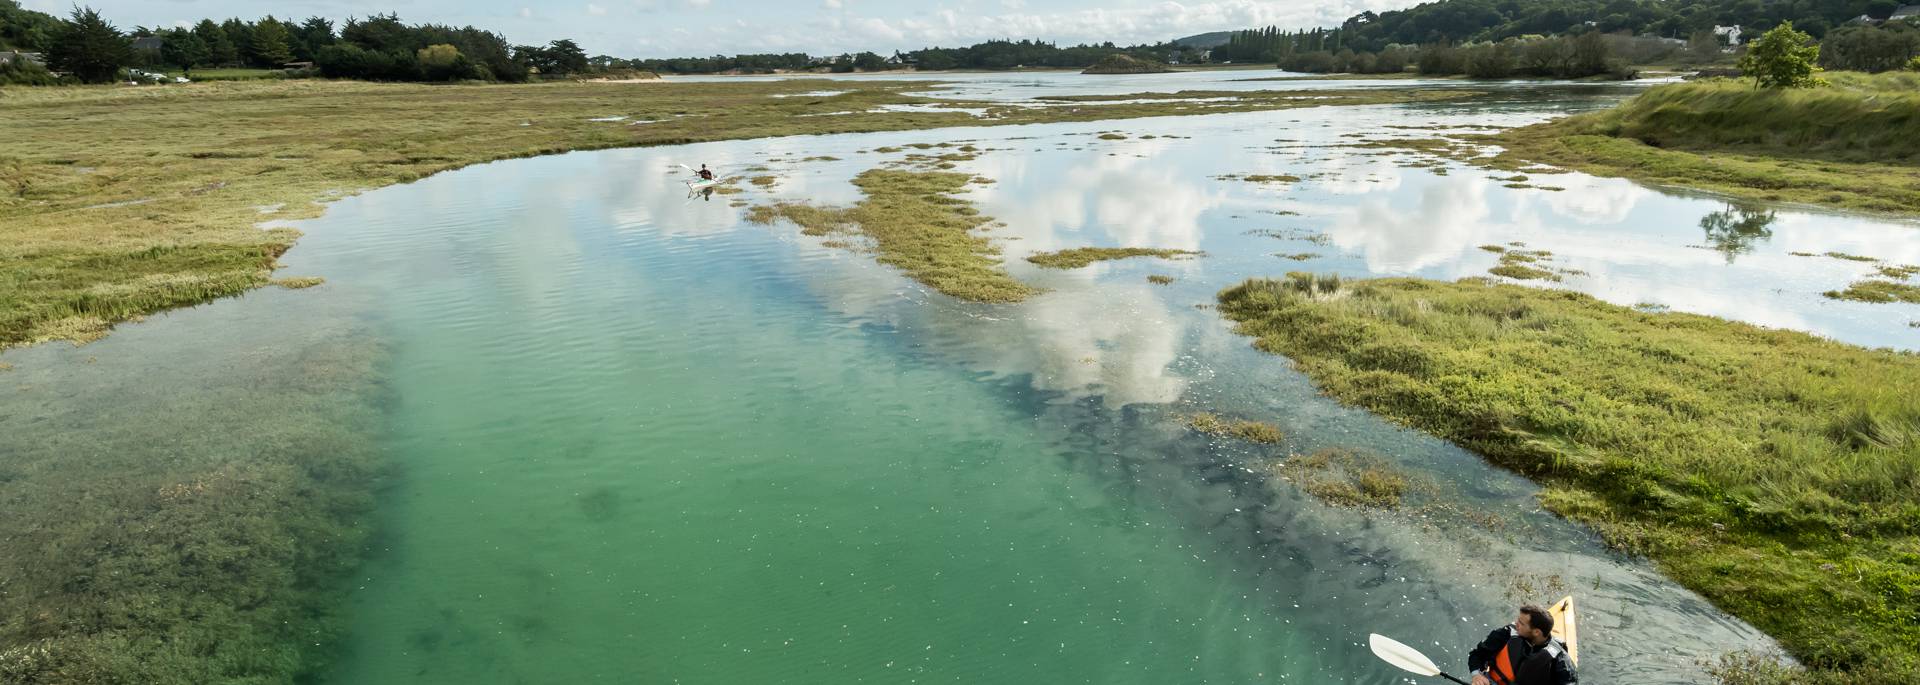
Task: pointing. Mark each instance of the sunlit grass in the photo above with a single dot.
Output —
(1775, 472)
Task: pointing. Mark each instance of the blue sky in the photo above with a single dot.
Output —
(662, 28)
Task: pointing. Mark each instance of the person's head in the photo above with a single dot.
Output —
(703, 166)
(1534, 623)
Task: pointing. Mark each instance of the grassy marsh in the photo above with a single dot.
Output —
(1855, 145)
(125, 201)
(917, 225)
(1775, 472)
(1082, 256)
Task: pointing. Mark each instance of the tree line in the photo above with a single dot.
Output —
(382, 48)
(989, 55)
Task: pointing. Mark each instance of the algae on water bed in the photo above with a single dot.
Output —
(1345, 477)
(1774, 472)
(1083, 256)
(917, 225)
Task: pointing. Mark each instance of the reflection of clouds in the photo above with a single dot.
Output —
(1351, 174)
(1135, 202)
(1452, 217)
(1595, 201)
(1115, 339)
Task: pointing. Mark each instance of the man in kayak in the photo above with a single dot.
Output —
(705, 173)
(1524, 653)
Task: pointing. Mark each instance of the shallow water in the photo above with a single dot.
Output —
(639, 440)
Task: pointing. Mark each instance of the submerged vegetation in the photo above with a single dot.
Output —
(1083, 256)
(1250, 431)
(1853, 145)
(159, 536)
(1126, 64)
(1346, 478)
(1775, 472)
(918, 226)
(124, 201)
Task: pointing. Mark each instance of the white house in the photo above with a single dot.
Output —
(1728, 35)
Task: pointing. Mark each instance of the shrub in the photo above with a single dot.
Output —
(20, 72)
(1783, 58)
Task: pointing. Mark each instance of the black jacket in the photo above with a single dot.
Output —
(1547, 664)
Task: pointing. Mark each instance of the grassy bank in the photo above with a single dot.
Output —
(1854, 145)
(124, 201)
(1082, 256)
(914, 223)
(1774, 472)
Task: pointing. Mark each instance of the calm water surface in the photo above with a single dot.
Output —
(639, 440)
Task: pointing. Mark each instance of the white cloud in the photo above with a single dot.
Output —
(526, 13)
(832, 4)
(596, 10)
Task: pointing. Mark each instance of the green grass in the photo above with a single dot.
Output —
(1855, 145)
(918, 226)
(1158, 279)
(1250, 431)
(1083, 256)
(1774, 472)
(119, 202)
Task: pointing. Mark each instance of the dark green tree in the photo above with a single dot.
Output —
(272, 43)
(89, 48)
(24, 29)
(184, 49)
(564, 57)
(240, 33)
(220, 49)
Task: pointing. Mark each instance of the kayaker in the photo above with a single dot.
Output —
(705, 173)
(1523, 653)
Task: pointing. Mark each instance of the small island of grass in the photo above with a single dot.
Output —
(1772, 471)
(1125, 64)
(1083, 256)
(916, 224)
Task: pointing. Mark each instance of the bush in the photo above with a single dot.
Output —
(20, 72)
(1783, 58)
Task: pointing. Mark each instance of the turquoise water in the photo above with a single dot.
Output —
(636, 439)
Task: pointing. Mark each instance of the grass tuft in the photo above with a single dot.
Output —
(1158, 279)
(1878, 291)
(1346, 478)
(1250, 431)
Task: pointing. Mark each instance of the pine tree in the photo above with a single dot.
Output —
(271, 47)
(90, 48)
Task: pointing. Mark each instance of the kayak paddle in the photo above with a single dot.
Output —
(1407, 658)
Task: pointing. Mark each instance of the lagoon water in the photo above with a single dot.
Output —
(638, 440)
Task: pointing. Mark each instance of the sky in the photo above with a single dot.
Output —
(675, 28)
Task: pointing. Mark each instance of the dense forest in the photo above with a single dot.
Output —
(1465, 21)
(380, 47)
(1499, 38)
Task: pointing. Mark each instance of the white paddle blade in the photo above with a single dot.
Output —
(1406, 658)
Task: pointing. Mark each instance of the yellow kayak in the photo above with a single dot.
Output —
(1566, 628)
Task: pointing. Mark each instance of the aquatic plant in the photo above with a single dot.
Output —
(298, 282)
(1158, 279)
(1083, 256)
(1346, 478)
(1878, 291)
(1250, 431)
(1775, 472)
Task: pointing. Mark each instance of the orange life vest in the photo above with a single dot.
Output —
(1501, 670)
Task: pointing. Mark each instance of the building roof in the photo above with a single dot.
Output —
(1905, 12)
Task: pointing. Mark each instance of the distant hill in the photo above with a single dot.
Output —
(1204, 41)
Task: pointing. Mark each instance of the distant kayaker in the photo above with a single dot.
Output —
(1524, 653)
(705, 173)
